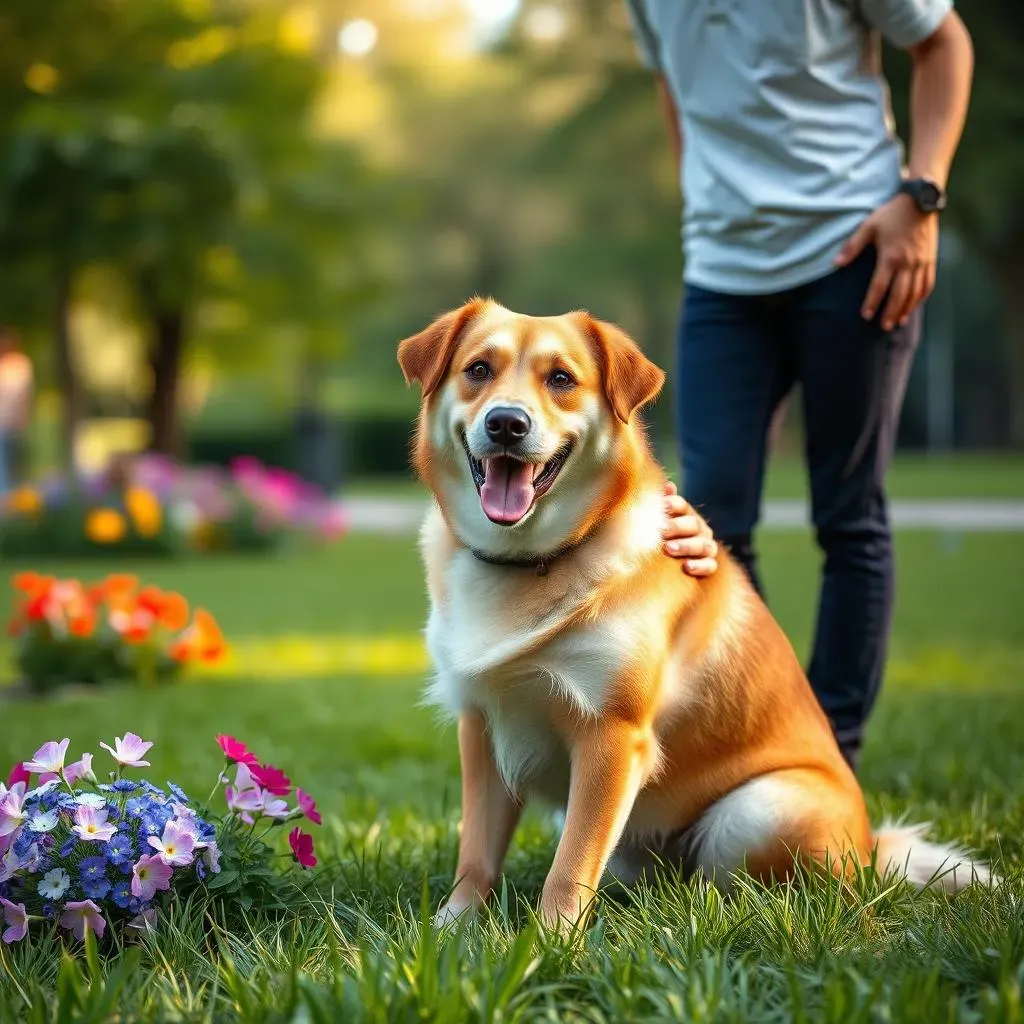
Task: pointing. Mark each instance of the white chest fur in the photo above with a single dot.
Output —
(517, 666)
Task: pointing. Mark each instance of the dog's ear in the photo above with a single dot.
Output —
(631, 380)
(425, 357)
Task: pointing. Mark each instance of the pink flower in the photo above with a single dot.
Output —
(81, 769)
(302, 847)
(308, 806)
(80, 916)
(91, 823)
(272, 779)
(176, 845)
(149, 874)
(12, 811)
(129, 750)
(274, 808)
(16, 920)
(236, 750)
(48, 758)
(18, 774)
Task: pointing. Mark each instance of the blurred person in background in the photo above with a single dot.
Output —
(808, 253)
(16, 380)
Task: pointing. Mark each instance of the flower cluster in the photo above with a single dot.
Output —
(68, 631)
(155, 505)
(83, 855)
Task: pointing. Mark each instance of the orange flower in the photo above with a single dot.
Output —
(203, 640)
(144, 509)
(25, 501)
(151, 599)
(105, 526)
(31, 582)
(83, 625)
(174, 614)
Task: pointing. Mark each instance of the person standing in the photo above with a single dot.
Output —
(809, 250)
(16, 380)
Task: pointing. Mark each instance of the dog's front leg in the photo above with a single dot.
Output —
(489, 817)
(610, 762)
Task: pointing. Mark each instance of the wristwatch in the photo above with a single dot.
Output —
(928, 196)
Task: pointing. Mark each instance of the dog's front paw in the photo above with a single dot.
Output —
(563, 909)
(452, 912)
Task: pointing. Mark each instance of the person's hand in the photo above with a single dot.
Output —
(687, 536)
(907, 242)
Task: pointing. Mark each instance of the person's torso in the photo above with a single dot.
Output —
(788, 141)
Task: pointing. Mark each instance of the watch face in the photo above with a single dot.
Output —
(928, 196)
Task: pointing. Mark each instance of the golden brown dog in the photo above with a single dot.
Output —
(669, 716)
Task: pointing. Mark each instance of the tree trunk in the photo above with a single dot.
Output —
(66, 377)
(165, 364)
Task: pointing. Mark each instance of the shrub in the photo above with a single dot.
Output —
(114, 631)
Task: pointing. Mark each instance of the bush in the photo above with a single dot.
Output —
(154, 506)
(114, 631)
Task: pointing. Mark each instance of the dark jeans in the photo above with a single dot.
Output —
(739, 356)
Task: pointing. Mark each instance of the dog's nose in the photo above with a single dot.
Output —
(506, 425)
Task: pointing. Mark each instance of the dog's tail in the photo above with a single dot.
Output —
(905, 850)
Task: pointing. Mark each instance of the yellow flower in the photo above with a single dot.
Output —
(105, 526)
(42, 78)
(27, 501)
(144, 509)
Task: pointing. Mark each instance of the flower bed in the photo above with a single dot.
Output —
(81, 856)
(151, 505)
(66, 631)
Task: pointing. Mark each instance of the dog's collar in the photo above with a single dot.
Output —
(541, 563)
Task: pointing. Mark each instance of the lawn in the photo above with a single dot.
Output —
(947, 744)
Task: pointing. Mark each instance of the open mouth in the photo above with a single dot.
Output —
(509, 487)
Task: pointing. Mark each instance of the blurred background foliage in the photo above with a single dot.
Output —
(218, 217)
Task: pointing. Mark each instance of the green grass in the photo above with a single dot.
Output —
(947, 744)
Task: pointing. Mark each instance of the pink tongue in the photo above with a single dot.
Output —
(507, 491)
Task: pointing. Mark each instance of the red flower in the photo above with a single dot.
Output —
(308, 807)
(237, 751)
(18, 774)
(272, 779)
(302, 848)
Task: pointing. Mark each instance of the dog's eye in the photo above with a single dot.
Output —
(478, 370)
(561, 379)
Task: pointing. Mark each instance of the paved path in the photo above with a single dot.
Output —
(961, 515)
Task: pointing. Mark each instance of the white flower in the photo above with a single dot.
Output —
(43, 822)
(54, 884)
(91, 800)
(211, 856)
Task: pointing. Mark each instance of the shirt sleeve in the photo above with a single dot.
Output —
(905, 22)
(646, 40)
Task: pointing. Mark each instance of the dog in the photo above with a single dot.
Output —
(668, 716)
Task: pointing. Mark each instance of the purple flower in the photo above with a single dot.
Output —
(66, 850)
(124, 786)
(91, 824)
(96, 889)
(92, 868)
(82, 916)
(128, 750)
(48, 758)
(16, 920)
(175, 846)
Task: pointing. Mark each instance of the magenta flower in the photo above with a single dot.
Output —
(91, 824)
(149, 874)
(129, 750)
(16, 920)
(175, 847)
(48, 758)
(80, 916)
(12, 810)
(236, 750)
(272, 779)
(18, 774)
(302, 847)
(308, 806)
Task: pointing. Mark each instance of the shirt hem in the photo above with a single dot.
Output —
(767, 284)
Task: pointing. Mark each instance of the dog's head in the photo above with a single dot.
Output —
(521, 419)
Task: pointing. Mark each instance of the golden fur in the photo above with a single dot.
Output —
(669, 716)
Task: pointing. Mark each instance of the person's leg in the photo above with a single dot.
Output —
(853, 376)
(733, 369)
